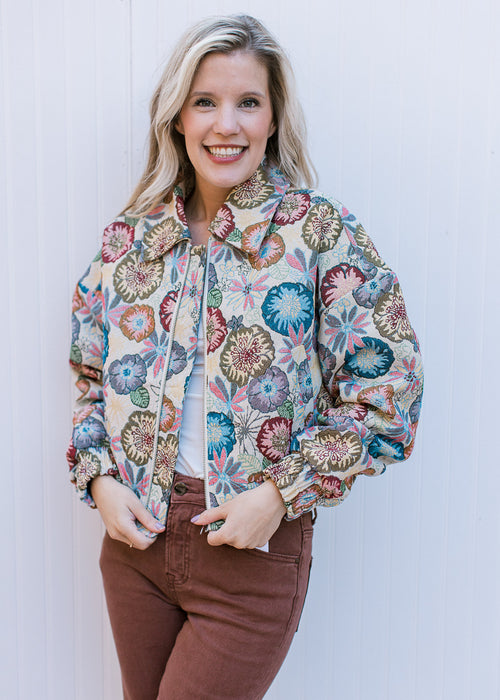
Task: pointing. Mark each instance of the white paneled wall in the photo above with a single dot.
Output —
(403, 105)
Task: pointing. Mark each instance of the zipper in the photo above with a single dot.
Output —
(204, 329)
(165, 371)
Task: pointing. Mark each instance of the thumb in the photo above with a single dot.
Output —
(145, 517)
(210, 516)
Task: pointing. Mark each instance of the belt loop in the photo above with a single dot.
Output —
(314, 516)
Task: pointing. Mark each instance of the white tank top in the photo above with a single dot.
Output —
(190, 457)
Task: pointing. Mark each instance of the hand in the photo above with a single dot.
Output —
(120, 509)
(251, 518)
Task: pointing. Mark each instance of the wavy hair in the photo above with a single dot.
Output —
(167, 158)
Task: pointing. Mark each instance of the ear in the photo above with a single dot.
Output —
(178, 126)
(272, 129)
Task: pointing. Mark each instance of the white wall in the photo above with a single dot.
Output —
(403, 105)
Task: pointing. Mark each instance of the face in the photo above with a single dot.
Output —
(226, 121)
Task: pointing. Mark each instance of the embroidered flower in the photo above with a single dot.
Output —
(161, 238)
(390, 317)
(89, 433)
(347, 330)
(127, 374)
(226, 475)
(273, 439)
(370, 361)
(117, 240)
(382, 446)
(369, 293)
(322, 227)
(380, 397)
(305, 380)
(248, 352)
(87, 468)
(293, 207)
(137, 322)
(220, 434)
(155, 351)
(339, 281)
(138, 436)
(332, 451)
(252, 192)
(267, 392)
(269, 253)
(223, 224)
(216, 329)
(133, 278)
(166, 458)
(249, 290)
(288, 305)
(331, 487)
(369, 250)
(178, 360)
(167, 308)
(168, 414)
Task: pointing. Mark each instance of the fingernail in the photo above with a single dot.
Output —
(159, 527)
(195, 518)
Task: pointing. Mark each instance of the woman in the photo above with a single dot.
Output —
(242, 353)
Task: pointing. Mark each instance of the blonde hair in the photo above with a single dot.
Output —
(167, 159)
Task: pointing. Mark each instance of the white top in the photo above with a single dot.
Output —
(190, 457)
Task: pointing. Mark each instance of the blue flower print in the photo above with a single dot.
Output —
(178, 360)
(89, 433)
(370, 292)
(267, 392)
(382, 446)
(220, 434)
(127, 374)
(288, 306)
(305, 380)
(372, 360)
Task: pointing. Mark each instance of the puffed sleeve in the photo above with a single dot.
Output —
(89, 453)
(367, 411)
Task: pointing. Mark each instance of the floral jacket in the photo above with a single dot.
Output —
(312, 372)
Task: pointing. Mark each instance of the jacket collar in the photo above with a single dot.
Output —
(243, 220)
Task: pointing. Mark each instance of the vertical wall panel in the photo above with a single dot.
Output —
(403, 109)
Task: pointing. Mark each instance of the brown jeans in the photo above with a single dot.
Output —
(197, 622)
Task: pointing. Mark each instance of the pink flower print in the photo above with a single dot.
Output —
(223, 224)
(248, 291)
(270, 252)
(293, 207)
(273, 439)
(117, 240)
(216, 329)
(167, 308)
(347, 330)
(339, 281)
(137, 322)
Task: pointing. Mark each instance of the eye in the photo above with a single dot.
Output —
(249, 103)
(203, 102)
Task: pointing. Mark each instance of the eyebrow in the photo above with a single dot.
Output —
(201, 93)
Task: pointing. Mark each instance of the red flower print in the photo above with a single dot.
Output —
(339, 281)
(223, 223)
(117, 240)
(167, 308)
(216, 329)
(273, 439)
(293, 207)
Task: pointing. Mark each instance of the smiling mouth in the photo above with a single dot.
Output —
(225, 151)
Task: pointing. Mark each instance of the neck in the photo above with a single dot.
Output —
(201, 209)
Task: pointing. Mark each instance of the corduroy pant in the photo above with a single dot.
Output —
(197, 622)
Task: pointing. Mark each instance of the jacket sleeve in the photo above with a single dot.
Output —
(89, 452)
(367, 410)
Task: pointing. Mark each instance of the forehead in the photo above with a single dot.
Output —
(238, 70)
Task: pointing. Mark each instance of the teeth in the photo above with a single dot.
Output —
(221, 152)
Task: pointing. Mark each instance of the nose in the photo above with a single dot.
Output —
(226, 121)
